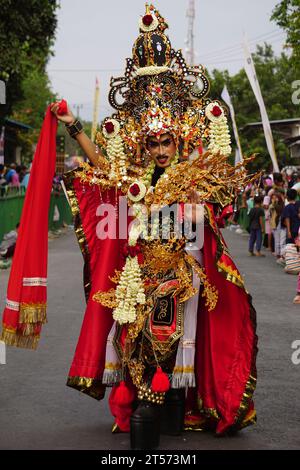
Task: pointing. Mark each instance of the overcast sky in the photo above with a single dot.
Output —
(95, 36)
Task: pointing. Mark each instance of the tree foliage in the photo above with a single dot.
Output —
(275, 75)
(287, 15)
(30, 110)
(27, 30)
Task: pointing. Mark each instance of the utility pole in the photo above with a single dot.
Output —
(190, 37)
(77, 107)
(96, 110)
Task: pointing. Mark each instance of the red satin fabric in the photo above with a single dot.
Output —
(31, 254)
(103, 256)
(226, 343)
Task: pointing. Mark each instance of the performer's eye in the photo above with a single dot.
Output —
(153, 145)
(166, 143)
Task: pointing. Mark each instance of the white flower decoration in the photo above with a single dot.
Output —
(209, 112)
(116, 128)
(134, 186)
(151, 27)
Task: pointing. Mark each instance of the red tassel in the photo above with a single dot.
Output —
(160, 382)
(123, 394)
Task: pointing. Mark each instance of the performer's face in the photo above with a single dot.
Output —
(162, 149)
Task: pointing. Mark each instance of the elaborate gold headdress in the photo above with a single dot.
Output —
(161, 93)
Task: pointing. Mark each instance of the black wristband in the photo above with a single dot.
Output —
(74, 129)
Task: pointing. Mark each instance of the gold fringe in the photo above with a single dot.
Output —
(247, 395)
(12, 338)
(33, 313)
(92, 387)
(250, 419)
(186, 369)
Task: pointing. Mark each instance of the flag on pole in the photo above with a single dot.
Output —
(227, 99)
(251, 74)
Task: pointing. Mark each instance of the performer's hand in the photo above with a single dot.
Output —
(195, 212)
(194, 197)
(67, 118)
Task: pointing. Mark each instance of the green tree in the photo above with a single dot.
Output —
(287, 15)
(275, 75)
(27, 30)
(36, 91)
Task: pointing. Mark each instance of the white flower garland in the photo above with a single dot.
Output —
(129, 292)
(219, 136)
(130, 289)
(115, 152)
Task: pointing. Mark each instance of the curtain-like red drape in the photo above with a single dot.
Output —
(25, 309)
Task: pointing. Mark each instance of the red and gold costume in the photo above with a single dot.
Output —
(160, 93)
(153, 305)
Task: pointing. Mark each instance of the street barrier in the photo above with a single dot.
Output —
(11, 204)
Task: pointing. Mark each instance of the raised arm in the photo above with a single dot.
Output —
(83, 140)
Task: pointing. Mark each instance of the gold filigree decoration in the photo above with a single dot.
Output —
(211, 176)
(136, 327)
(107, 299)
(136, 369)
(232, 275)
(210, 292)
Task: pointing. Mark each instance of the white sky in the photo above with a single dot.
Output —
(95, 36)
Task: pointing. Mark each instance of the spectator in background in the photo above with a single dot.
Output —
(250, 199)
(296, 182)
(7, 247)
(25, 180)
(256, 221)
(290, 217)
(3, 181)
(279, 233)
(266, 206)
(21, 170)
(12, 176)
(278, 186)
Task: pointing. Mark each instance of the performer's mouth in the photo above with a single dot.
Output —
(162, 160)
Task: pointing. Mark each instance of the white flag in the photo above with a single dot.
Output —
(251, 74)
(227, 99)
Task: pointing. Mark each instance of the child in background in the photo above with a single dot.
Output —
(256, 221)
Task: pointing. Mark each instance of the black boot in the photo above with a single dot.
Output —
(172, 417)
(145, 426)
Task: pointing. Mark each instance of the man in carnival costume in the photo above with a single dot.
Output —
(168, 318)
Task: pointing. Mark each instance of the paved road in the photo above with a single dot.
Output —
(37, 410)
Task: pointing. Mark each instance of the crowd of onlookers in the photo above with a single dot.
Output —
(13, 175)
(270, 211)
